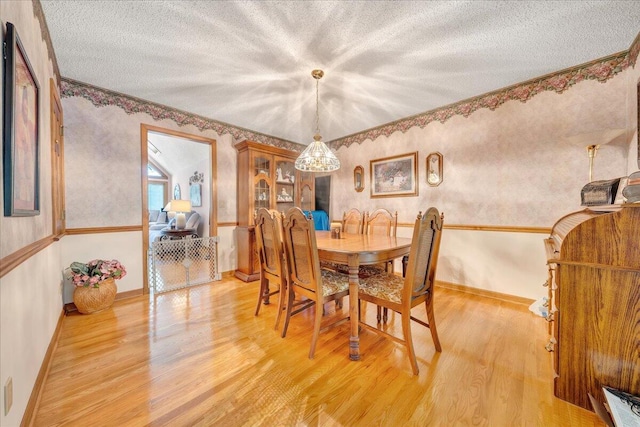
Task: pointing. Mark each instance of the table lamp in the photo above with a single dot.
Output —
(170, 213)
(180, 207)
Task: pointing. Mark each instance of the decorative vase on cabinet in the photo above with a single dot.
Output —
(267, 178)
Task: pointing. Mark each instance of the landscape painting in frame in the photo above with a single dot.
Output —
(395, 176)
(20, 136)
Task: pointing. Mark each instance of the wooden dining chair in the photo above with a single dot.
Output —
(381, 222)
(352, 221)
(402, 294)
(268, 229)
(305, 277)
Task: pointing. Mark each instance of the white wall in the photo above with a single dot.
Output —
(30, 294)
(120, 246)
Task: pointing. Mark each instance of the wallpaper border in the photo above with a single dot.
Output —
(100, 97)
(601, 70)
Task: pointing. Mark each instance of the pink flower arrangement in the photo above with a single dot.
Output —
(95, 271)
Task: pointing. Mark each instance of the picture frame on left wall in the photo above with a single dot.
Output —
(20, 139)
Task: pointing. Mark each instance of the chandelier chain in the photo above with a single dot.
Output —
(317, 111)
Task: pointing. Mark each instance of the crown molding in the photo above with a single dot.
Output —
(601, 70)
(100, 97)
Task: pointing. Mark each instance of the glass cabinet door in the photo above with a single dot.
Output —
(262, 183)
(285, 184)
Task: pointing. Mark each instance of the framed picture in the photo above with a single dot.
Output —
(434, 169)
(20, 148)
(195, 194)
(395, 176)
(177, 195)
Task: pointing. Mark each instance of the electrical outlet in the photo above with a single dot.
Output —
(8, 395)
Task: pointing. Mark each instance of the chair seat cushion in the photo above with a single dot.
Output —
(383, 286)
(333, 283)
(364, 271)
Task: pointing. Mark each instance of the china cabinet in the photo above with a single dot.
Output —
(268, 179)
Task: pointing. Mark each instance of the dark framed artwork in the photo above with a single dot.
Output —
(395, 176)
(20, 147)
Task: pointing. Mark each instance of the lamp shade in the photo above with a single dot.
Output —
(317, 157)
(180, 206)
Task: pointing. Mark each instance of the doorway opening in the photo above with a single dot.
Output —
(178, 209)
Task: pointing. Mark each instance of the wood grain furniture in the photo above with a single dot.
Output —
(402, 294)
(381, 221)
(266, 179)
(305, 277)
(594, 260)
(355, 250)
(384, 223)
(268, 231)
(352, 221)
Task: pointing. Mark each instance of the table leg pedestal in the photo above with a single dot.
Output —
(354, 339)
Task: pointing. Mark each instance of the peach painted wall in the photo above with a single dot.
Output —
(521, 165)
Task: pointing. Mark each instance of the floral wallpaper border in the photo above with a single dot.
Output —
(44, 30)
(102, 97)
(601, 69)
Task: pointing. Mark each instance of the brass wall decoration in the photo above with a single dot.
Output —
(358, 178)
(434, 169)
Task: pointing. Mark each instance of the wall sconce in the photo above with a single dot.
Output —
(358, 178)
(591, 150)
(434, 169)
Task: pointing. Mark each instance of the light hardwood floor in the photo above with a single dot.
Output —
(199, 357)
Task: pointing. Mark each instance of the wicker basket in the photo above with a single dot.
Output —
(90, 300)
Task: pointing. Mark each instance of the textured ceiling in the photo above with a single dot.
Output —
(249, 63)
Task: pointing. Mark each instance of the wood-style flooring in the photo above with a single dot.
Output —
(199, 357)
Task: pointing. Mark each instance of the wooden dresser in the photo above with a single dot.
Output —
(594, 302)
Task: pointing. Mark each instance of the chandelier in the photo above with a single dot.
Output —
(317, 157)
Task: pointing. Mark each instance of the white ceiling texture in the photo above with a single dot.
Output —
(249, 63)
